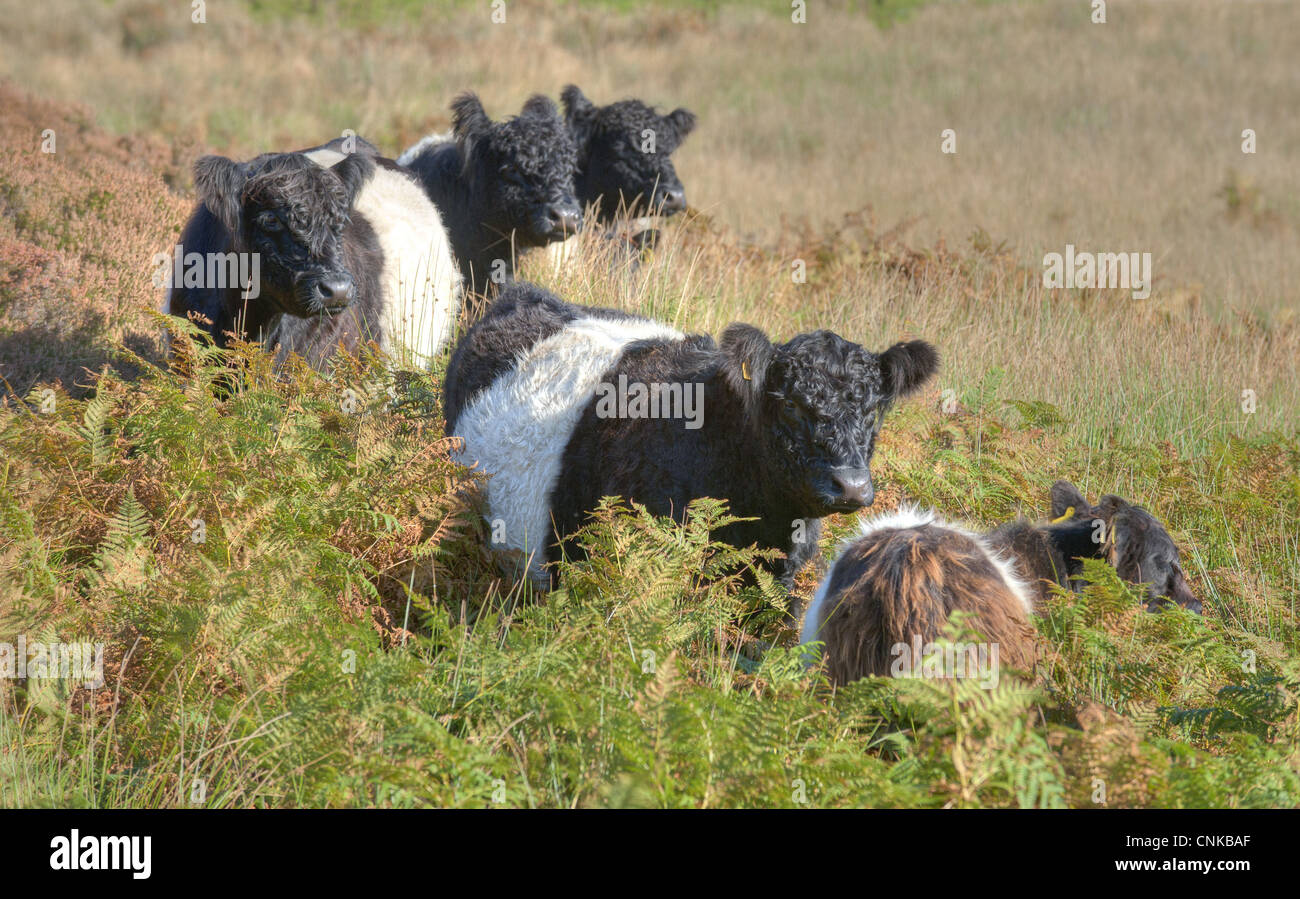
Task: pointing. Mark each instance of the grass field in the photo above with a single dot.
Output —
(338, 635)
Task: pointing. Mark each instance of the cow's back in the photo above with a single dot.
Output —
(895, 586)
(516, 389)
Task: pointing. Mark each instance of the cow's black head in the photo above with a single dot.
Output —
(816, 403)
(291, 212)
(623, 154)
(521, 170)
(1134, 542)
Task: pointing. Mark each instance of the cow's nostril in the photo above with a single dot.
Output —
(564, 219)
(672, 200)
(335, 290)
(854, 487)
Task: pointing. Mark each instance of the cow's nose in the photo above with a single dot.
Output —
(335, 291)
(672, 200)
(854, 486)
(564, 218)
(1183, 595)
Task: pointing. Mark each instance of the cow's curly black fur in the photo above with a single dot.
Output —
(613, 171)
(521, 316)
(501, 187)
(780, 422)
(297, 217)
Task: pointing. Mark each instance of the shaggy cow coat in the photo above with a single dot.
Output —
(294, 216)
(616, 174)
(350, 247)
(896, 583)
(785, 432)
(419, 302)
(502, 187)
(618, 171)
(1127, 537)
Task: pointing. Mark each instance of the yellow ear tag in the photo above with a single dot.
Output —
(1069, 513)
(744, 370)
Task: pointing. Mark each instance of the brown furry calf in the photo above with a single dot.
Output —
(887, 598)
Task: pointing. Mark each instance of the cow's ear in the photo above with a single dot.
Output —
(1067, 501)
(747, 354)
(1128, 538)
(579, 112)
(220, 183)
(1109, 506)
(354, 171)
(540, 107)
(1110, 509)
(904, 367)
(469, 123)
(682, 122)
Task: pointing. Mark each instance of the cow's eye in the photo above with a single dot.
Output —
(796, 408)
(269, 221)
(783, 403)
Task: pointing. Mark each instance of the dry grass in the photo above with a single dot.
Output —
(1122, 371)
(1119, 136)
(1130, 144)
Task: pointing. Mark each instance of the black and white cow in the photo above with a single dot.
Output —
(625, 170)
(422, 295)
(563, 404)
(502, 187)
(348, 249)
